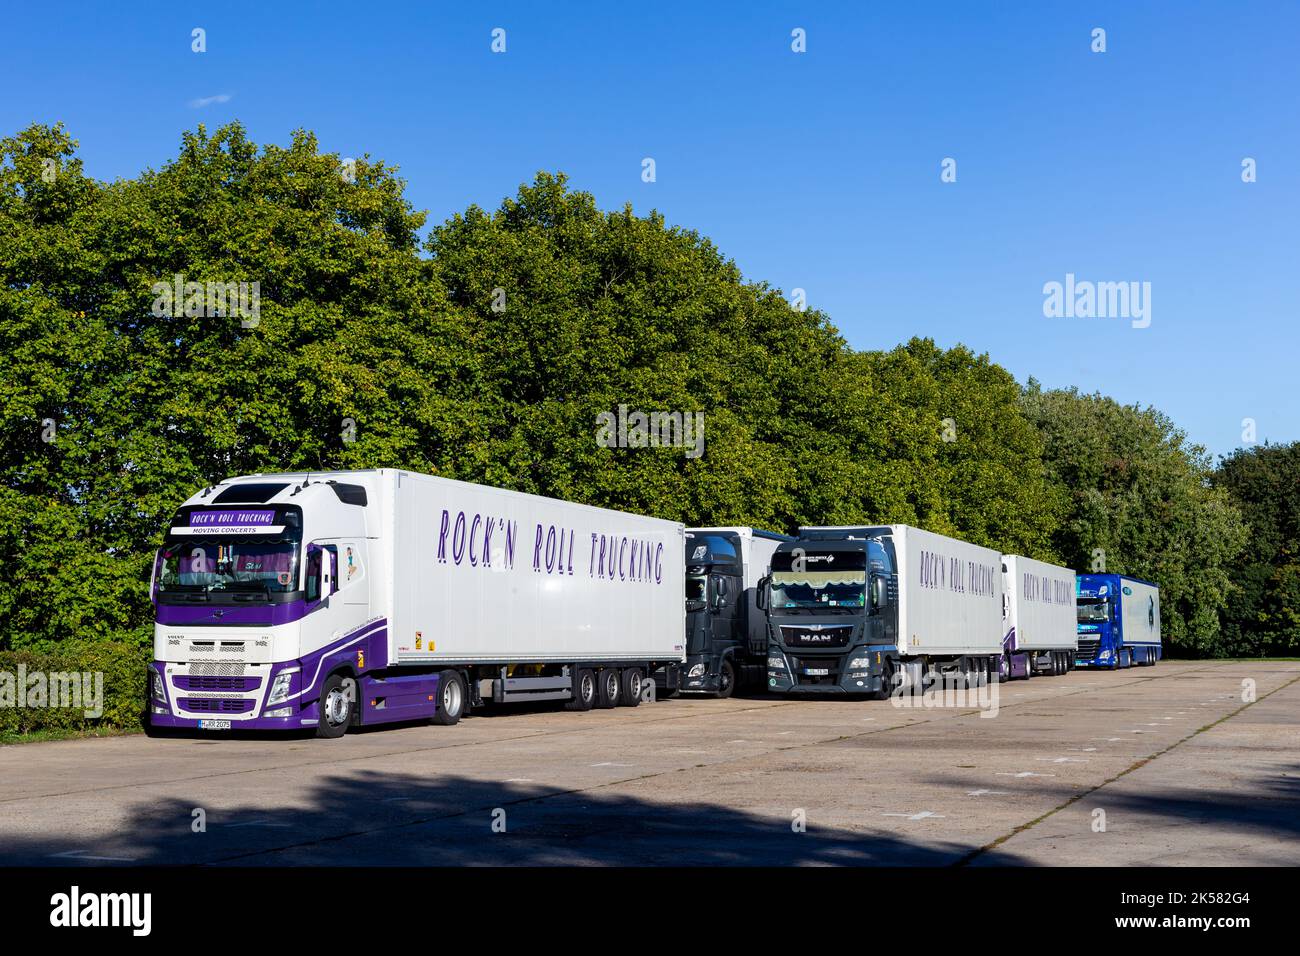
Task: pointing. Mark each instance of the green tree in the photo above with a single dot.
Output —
(1140, 500)
(150, 401)
(1262, 617)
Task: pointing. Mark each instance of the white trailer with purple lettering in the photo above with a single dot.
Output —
(338, 599)
(1039, 618)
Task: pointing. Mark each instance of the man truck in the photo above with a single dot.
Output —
(352, 598)
(862, 610)
(1038, 616)
(726, 631)
(1118, 621)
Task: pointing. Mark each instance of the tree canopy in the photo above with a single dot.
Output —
(489, 352)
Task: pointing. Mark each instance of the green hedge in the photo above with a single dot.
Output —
(122, 667)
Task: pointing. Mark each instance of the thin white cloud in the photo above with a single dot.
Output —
(203, 101)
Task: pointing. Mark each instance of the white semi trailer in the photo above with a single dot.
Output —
(859, 610)
(1039, 618)
(331, 600)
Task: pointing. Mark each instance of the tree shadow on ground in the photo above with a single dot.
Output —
(394, 819)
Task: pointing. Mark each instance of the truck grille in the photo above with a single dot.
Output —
(205, 682)
(216, 705)
(826, 635)
(1087, 648)
(210, 668)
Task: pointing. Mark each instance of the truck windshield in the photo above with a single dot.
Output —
(255, 564)
(818, 579)
(1091, 611)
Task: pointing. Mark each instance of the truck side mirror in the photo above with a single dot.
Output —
(760, 592)
(879, 593)
(719, 593)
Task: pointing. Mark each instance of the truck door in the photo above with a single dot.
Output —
(725, 594)
(880, 562)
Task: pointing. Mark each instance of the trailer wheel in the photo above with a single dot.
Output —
(451, 699)
(726, 680)
(631, 690)
(338, 696)
(609, 688)
(584, 691)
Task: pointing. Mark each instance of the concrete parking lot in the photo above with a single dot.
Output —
(1180, 764)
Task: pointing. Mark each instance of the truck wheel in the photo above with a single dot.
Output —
(451, 699)
(609, 688)
(631, 690)
(584, 691)
(338, 697)
(1004, 668)
(726, 680)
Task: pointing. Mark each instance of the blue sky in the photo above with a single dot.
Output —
(818, 170)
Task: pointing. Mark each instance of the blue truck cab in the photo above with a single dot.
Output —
(1118, 621)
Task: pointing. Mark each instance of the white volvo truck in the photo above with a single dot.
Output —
(331, 600)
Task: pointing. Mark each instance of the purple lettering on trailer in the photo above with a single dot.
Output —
(442, 537)
(458, 539)
(478, 519)
(487, 542)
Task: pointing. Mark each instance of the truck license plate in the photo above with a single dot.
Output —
(214, 725)
(817, 671)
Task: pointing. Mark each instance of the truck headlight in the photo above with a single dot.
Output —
(696, 670)
(156, 682)
(776, 663)
(860, 664)
(280, 689)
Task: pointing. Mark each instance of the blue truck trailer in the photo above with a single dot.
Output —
(1118, 621)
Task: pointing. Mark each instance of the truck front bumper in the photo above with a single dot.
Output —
(183, 697)
(700, 676)
(860, 670)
